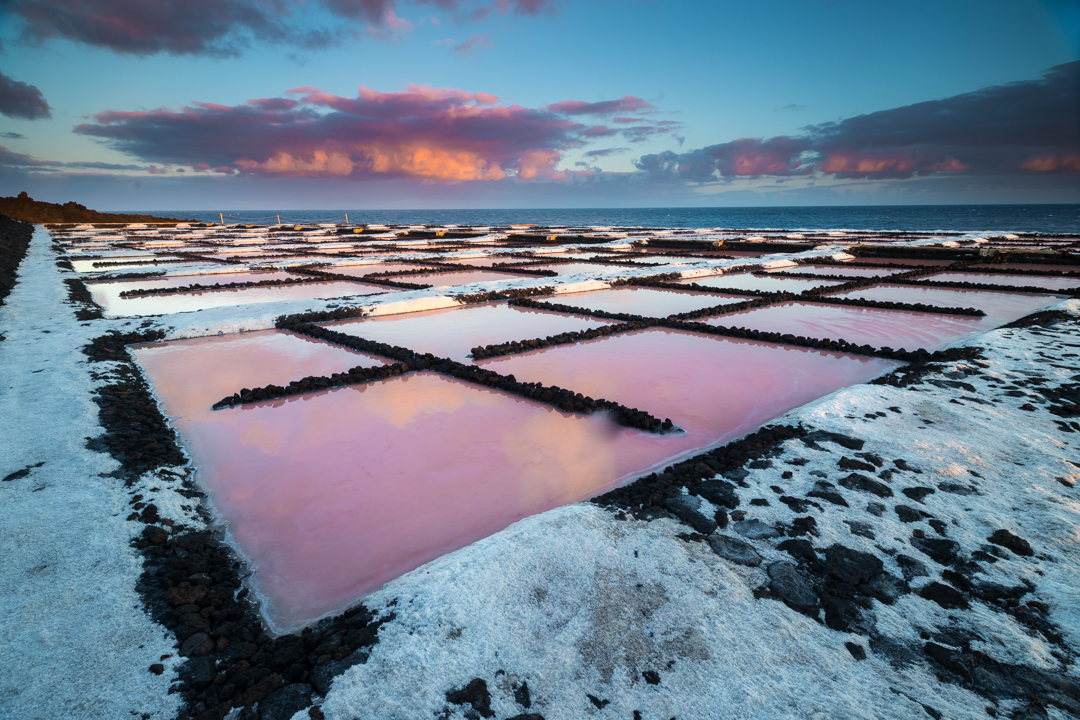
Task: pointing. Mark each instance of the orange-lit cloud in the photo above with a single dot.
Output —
(1011, 129)
(1053, 163)
(421, 132)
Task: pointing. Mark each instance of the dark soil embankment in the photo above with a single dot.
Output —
(29, 210)
(14, 241)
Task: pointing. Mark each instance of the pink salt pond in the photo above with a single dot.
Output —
(853, 272)
(1043, 267)
(649, 302)
(330, 495)
(1039, 281)
(486, 261)
(577, 268)
(1000, 307)
(107, 295)
(862, 326)
(464, 277)
(362, 270)
(454, 332)
(761, 283)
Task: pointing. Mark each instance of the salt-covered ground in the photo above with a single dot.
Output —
(586, 611)
(575, 603)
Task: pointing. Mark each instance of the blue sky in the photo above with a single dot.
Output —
(708, 74)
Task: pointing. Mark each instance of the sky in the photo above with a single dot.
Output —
(398, 104)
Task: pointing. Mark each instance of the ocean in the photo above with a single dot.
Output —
(990, 219)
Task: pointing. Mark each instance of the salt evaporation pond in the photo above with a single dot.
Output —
(1039, 281)
(107, 294)
(362, 270)
(329, 495)
(1044, 267)
(454, 332)
(649, 302)
(862, 326)
(120, 264)
(464, 277)
(1000, 307)
(854, 272)
(486, 261)
(760, 283)
(576, 268)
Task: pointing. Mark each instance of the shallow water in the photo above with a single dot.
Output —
(853, 272)
(450, 279)
(1048, 283)
(1047, 267)
(107, 295)
(761, 283)
(576, 268)
(1000, 307)
(330, 495)
(862, 326)
(362, 270)
(649, 302)
(129, 263)
(454, 332)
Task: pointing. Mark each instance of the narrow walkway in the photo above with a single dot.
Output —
(74, 642)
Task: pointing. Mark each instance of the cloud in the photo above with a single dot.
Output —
(19, 100)
(228, 27)
(605, 152)
(11, 159)
(1013, 129)
(13, 136)
(468, 48)
(625, 104)
(425, 133)
(466, 10)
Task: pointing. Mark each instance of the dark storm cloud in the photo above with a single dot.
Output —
(19, 100)
(1024, 127)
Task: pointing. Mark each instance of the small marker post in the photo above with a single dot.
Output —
(222, 216)
(346, 218)
(279, 219)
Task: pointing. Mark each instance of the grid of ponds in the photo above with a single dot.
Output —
(330, 493)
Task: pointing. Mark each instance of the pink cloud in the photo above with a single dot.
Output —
(468, 48)
(625, 104)
(422, 132)
(1053, 164)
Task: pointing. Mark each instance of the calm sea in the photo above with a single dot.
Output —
(954, 218)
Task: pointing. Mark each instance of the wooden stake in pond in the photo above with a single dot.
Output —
(346, 218)
(222, 216)
(278, 219)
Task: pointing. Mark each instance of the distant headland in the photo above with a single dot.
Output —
(27, 209)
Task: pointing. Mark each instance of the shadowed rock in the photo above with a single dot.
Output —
(733, 549)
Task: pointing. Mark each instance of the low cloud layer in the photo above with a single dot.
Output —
(425, 133)
(1018, 128)
(227, 27)
(20, 100)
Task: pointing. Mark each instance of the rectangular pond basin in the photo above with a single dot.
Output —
(362, 270)
(761, 283)
(486, 261)
(454, 332)
(862, 326)
(649, 302)
(714, 388)
(852, 272)
(1039, 281)
(1000, 307)
(589, 268)
(132, 262)
(464, 277)
(1043, 267)
(331, 494)
(108, 294)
